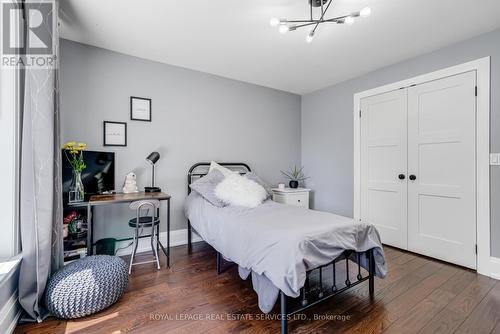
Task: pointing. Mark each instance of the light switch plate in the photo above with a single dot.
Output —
(494, 159)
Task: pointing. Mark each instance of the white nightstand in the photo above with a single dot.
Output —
(290, 196)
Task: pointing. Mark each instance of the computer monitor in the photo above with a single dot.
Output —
(97, 177)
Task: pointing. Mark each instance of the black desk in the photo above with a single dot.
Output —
(99, 200)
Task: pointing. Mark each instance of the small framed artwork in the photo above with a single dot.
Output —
(115, 133)
(140, 109)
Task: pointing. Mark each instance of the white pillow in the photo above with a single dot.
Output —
(225, 171)
(240, 191)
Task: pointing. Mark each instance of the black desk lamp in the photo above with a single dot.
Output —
(152, 158)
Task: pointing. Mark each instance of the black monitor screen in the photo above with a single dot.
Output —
(97, 177)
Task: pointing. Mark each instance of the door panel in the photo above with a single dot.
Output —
(383, 158)
(441, 154)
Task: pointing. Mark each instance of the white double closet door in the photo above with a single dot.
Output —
(418, 168)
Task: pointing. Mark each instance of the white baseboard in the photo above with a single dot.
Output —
(9, 315)
(177, 238)
(493, 270)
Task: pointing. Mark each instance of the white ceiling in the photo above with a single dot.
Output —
(233, 38)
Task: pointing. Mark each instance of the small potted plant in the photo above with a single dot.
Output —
(74, 154)
(295, 176)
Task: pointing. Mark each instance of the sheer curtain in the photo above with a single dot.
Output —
(40, 189)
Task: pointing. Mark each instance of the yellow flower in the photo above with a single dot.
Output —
(69, 145)
(82, 146)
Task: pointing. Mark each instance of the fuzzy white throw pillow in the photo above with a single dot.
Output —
(240, 191)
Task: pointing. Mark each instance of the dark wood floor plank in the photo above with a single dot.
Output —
(401, 305)
(415, 319)
(364, 310)
(356, 299)
(169, 301)
(392, 253)
(496, 330)
(452, 316)
(371, 316)
(404, 258)
(485, 316)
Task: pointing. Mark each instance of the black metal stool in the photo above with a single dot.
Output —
(143, 221)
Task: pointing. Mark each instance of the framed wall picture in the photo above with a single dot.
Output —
(140, 109)
(115, 133)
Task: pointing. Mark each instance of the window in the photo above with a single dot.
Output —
(9, 165)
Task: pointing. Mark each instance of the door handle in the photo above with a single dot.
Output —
(401, 176)
(413, 177)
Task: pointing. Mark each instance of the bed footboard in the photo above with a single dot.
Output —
(308, 300)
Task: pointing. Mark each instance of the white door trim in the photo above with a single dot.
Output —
(485, 263)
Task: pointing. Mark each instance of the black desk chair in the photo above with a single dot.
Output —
(143, 220)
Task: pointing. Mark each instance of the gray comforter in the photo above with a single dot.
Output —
(278, 243)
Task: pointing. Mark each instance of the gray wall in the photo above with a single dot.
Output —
(327, 125)
(196, 117)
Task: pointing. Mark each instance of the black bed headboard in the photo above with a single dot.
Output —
(200, 169)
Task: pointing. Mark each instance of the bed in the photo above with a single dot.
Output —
(281, 246)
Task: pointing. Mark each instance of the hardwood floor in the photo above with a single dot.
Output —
(419, 295)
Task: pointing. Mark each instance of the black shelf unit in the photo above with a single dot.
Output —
(75, 246)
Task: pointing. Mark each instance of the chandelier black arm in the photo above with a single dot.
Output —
(308, 22)
(292, 25)
(303, 21)
(304, 25)
(336, 19)
(322, 15)
(333, 19)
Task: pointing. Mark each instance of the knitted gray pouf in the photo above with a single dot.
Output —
(86, 286)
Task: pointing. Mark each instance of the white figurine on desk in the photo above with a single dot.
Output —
(130, 184)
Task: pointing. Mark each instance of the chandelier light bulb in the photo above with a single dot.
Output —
(365, 12)
(274, 22)
(310, 37)
(284, 29)
(284, 25)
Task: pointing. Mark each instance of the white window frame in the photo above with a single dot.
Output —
(486, 264)
(10, 110)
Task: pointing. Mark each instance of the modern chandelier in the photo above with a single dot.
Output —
(285, 25)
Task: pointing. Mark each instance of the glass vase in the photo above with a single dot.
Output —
(76, 191)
